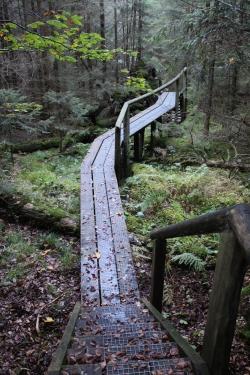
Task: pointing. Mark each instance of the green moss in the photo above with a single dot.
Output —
(246, 335)
(22, 252)
(165, 195)
(134, 223)
(51, 181)
(245, 291)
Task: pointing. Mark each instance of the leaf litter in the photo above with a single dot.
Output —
(35, 305)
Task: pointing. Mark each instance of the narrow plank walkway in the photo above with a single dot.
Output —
(107, 273)
(112, 332)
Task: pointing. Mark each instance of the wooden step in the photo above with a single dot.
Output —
(81, 370)
(179, 366)
(116, 314)
(160, 367)
(83, 330)
(91, 353)
(125, 338)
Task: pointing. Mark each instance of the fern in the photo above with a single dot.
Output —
(190, 260)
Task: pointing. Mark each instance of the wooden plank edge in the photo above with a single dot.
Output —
(58, 357)
(199, 365)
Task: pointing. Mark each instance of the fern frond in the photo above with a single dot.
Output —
(190, 260)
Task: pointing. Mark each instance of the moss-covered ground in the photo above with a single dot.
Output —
(50, 181)
(174, 184)
(160, 195)
(39, 285)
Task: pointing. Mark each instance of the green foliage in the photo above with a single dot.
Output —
(137, 84)
(66, 108)
(190, 260)
(16, 111)
(65, 111)
(17, 248)
(22, 251)
(245, 291)
(165, 195)
(60, 36)
(50, 181)
(60, 247)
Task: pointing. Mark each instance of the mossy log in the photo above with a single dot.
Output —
(15, 208)
(84, 136)
(230, 165)
(32, 146)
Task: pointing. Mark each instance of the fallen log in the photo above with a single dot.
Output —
(15, 208)
(84, 136)
(36, 145)
(230, 165)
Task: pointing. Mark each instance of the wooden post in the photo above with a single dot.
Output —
(185, 92)
(118, 167)
(141, 144)
(223, 306)
(177, 94)
(152, 138)
(126, 148)
(182, 107)
(158, 273)
(136, 146)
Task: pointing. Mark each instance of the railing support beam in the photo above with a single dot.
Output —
(142, 133)
(177, 90)
(126, 145)
(152, 136)
(136, 146)
(118, 166)
(185, 78)
(158, 274)
(223, 306)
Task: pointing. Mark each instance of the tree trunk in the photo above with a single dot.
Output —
(211, 66)
(209, 94)
(102, 33)
(140, 30)
(116, 41)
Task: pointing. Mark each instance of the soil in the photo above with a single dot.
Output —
(187, 296)
(32, 317)
(32, 320)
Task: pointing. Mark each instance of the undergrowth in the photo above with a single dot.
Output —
(20, 252)
(49, 180)
(163, 195)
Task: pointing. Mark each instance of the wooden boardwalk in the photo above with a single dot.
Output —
(112, 332)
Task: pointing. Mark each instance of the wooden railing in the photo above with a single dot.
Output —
(232, 263)
(122, 127)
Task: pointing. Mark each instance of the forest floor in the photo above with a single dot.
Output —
(39, 270)
(40, 284)
(186, 306)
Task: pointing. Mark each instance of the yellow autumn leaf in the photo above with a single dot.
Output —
(48, 320)
(98, 255)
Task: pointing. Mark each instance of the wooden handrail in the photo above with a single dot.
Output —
(139, 98)
(239, 220)
(123, 122)
(213, 222)
(232, 263)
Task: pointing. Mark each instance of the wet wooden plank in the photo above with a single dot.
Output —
(126, 274)
(89, 264)
(153, 113)
(58, 356)
(107, 262)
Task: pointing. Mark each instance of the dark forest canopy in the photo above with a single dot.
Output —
(38, 38)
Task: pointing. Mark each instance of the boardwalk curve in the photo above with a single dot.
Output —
(113, 332)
